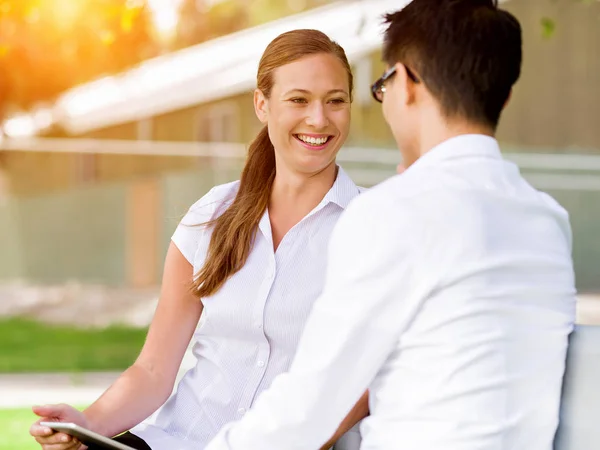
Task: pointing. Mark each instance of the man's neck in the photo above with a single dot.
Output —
(433, 133)
(433, 136)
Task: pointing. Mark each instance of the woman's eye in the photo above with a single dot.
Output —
(298, 100)
(337, 101)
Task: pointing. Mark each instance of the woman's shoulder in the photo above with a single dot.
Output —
(217, 199)
(219, 194)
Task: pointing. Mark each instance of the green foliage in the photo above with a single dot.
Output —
(15, 424)
(549, 25)
(28, 346)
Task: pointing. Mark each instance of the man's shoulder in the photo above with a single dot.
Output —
(398, 188)
(389, 202)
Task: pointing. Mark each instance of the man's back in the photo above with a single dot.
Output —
(449, 291)
(480, 363)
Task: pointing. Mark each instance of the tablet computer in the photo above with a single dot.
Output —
(86, 436)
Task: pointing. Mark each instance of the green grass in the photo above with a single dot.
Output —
(14, 429)
(15, 424)
(29, 346)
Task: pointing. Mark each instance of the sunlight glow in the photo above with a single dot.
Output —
(42, 118)
(20, 126)
(165, 15)
(64, 12)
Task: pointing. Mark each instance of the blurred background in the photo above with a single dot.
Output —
(117, 115)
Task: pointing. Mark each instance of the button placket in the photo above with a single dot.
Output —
(263, 353)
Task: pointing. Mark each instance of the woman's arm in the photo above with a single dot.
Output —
(147, 384)
(358, 413)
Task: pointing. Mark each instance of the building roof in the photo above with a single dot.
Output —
(212, 70)
(202, 73)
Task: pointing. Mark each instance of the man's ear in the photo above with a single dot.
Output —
(260, 106)
(407, 87)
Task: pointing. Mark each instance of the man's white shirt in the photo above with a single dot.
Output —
(449, 295)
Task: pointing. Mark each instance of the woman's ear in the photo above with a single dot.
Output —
(260, 106)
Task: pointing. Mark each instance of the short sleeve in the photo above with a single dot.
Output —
(190, 231)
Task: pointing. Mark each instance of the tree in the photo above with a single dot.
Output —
(47, 46)
(193, 26)
(201, 20)
(261, 11)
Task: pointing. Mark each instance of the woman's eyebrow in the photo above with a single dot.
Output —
(304, 91)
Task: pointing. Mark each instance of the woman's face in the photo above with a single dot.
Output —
(308, 113)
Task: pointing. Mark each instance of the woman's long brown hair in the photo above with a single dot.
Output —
(234, 231)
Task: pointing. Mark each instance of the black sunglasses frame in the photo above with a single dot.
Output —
(378, 87)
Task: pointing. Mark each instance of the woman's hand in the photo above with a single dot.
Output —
(50, 439)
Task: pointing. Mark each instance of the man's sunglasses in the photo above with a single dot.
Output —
(378, 88)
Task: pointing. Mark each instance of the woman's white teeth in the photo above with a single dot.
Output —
(312, 140)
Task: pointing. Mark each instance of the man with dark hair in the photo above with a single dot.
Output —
(467, 54)
(450, 289)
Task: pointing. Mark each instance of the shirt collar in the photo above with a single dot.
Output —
(457, 147)
(342, 191)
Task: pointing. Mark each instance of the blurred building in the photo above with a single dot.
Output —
(156, 122)
(200, 94)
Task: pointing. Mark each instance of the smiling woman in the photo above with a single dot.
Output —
(307, 112)
(326, 106)
(304, 89)
(253, 253)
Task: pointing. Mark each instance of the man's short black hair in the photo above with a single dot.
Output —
(467, 52)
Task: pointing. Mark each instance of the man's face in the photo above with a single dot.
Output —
(401, 113)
